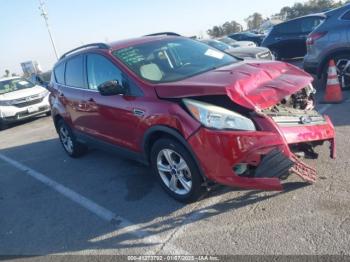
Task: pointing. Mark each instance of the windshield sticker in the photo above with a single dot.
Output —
(214, 53)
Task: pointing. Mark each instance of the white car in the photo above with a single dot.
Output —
(234, 43)
(21, 99)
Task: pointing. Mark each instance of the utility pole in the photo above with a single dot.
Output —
(46, 18)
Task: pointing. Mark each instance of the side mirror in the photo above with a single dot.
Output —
(111, 88)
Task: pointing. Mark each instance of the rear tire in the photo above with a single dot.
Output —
(69, 142)
(176, 170)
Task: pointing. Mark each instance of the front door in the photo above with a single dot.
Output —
(110, 118)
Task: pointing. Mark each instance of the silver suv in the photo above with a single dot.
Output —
(330, 40)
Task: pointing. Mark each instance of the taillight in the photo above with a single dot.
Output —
(314, 36)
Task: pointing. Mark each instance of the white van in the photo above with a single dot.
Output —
(21, 99)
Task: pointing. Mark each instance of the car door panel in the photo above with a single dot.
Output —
(109, 118)
(74, 102)
(72, 94)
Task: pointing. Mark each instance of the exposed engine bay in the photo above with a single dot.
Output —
(296, 109)
(303, 100)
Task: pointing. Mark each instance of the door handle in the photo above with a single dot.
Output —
(138, 112)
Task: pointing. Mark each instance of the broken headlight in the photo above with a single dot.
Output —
(217, 117)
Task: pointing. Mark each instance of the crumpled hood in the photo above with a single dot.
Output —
(252, 84)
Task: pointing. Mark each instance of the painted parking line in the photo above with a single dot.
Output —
(124, 226)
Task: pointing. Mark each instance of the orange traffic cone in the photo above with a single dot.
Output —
(333, 91)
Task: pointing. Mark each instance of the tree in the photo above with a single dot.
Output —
(254, 21)
(309, 7)
(225, 29)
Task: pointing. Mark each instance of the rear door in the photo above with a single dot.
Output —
(286, 39)
(110, 118)
(70, 78)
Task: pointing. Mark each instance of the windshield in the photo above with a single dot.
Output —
(217, 44)
(11, 85)
(172, 59)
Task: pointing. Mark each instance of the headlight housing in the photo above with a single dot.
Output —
(217, 117)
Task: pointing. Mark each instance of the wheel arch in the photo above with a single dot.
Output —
(56, 118)
(329, 55)
(161, 131)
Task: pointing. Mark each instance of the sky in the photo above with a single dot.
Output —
(24, 36)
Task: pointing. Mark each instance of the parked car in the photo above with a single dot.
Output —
(234, 43)
(196, 115)
(248, 36)
(288, 39)
(20, 99)
(330, 40)
(244, 53)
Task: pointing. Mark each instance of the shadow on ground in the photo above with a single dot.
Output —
(130, 185)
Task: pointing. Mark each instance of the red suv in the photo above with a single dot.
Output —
(196, 115)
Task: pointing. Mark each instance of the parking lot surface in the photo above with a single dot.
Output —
(104, 204)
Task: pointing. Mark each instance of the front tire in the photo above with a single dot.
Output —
(69, 142)
(176, 170)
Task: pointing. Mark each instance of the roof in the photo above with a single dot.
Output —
(302, 17)
(116, 45)
(140, 40)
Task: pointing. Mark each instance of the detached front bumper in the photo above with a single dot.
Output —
(267, 153)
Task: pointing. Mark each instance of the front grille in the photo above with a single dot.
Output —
(287, 116)
(264, 55)
(298, 120)
(27, 103)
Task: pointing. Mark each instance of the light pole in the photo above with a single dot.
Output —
(44, 15)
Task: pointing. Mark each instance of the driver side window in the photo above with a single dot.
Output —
(100, 70)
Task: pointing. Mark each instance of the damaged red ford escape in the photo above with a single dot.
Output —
(196, 115)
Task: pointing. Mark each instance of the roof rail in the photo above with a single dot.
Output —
(99, 45)
(164, 33)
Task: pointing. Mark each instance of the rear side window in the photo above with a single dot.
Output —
(59, 73)
(309, 24)
(346, 16)
(291, 27)
(74, 72)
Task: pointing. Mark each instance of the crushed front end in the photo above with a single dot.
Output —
(262, 158)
